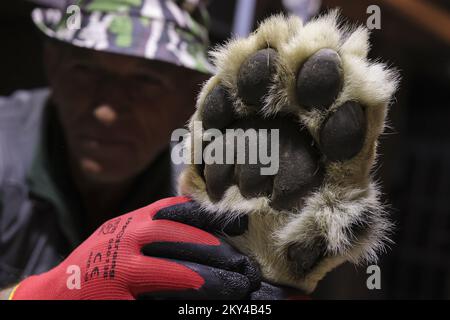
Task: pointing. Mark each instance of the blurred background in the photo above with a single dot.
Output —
(414, 166)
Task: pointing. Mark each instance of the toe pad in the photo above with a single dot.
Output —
(218, 110)
(255, 76)
(319, 80)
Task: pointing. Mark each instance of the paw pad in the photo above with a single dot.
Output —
(255, 76)
(319, 80)
(342, 135)
(217, 111)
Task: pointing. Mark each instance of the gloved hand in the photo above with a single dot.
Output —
(265, 291)
(142, 254)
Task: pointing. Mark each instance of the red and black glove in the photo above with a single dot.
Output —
(144, 254)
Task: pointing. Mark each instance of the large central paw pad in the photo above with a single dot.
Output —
(321, 106)
(298, 172)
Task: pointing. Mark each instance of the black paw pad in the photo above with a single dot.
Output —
(251, 183)
(255, 76)
(305, 257)
(218, 177)
(343, 133)
(248, 175)
(319, 80)
(218, 109)
(299, 172)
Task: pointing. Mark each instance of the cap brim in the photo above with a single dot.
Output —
(147, 38)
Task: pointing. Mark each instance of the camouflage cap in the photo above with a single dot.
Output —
(165, 30)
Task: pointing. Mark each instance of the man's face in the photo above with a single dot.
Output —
(118, 112)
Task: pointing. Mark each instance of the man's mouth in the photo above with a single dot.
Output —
(90, 166)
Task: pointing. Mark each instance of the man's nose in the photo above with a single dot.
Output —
(111, 98)
(105, 114)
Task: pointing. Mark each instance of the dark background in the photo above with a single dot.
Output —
(414, 165)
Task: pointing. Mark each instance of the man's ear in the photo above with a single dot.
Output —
(53, 56)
